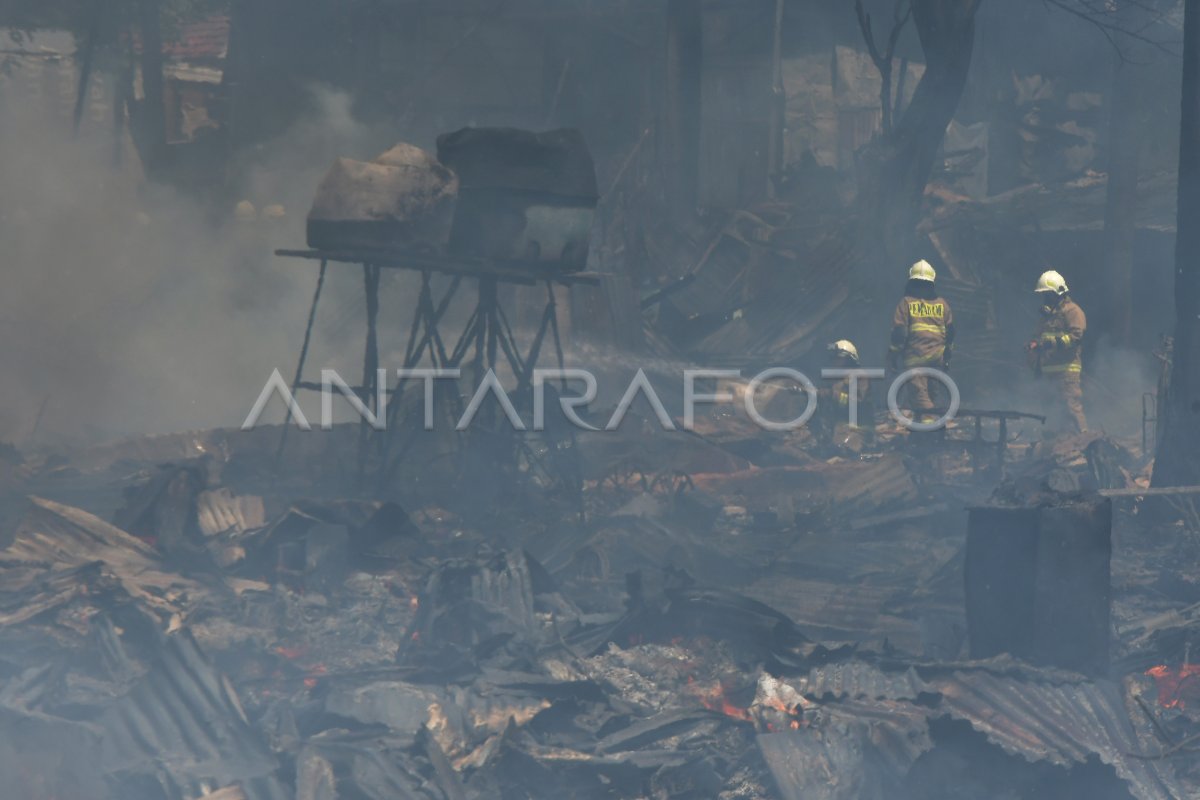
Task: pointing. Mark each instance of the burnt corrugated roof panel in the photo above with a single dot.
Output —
(840, 758)
(860, 680)
(183, 716)
(1063, 724)
(56, 536)
(1038, 715)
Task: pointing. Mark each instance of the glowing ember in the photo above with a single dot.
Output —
(793, 725)
(314, 673)
(1177, 688)
(776, 707)
(714, 698)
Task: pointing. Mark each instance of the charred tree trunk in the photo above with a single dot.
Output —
(1178, 461)
(681, 109)
(1120, 221)
(897, 167)
(150, 119)
(883, 58)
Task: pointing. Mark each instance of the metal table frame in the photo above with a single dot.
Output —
(483, 341)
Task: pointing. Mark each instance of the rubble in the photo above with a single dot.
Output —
(652, 611)
(676, 645)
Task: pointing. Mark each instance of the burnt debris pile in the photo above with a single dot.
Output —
(712, 629)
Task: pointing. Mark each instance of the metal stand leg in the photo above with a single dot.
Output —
(573, 472)
(312, 315)
(486, 338)
(370, 379)
(423, 338)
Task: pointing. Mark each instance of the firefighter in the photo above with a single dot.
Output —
(1056, 348)
(833, 404)
(922, 336)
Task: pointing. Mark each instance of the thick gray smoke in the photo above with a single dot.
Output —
(130, 308)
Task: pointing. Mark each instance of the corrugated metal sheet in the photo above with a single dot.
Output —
(782, 326)
(860, 680)
(184, 717)
(737, 279)
(1039, 715)
(859, 749)
(158, 714)
(883, 483)
(219, 511)
(827, 610)
(55, 536)
(821, 302)
(899, 730)
(1063, 724)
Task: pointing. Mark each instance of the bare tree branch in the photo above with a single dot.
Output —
(883, 60)
(1133, 20)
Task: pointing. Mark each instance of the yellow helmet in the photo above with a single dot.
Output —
(922, 271)
(845, 347)
(1051, 281)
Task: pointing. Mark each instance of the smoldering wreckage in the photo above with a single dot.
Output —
(721, 612)
(705, 610)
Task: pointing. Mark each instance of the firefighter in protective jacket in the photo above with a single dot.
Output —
(834, 403)
(922, 334)
(1055, 351)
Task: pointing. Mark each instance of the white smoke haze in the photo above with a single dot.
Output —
(129, 308)
(1115, 383)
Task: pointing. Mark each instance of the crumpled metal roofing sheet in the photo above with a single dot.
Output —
(184, 718)
(1061, 719)
(860, 680)
(1063, 723)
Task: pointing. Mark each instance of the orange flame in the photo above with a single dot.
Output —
(1177, 687)
(715, 699)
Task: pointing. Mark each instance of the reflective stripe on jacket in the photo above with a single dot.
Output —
(922, 330)
(1060, 334)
